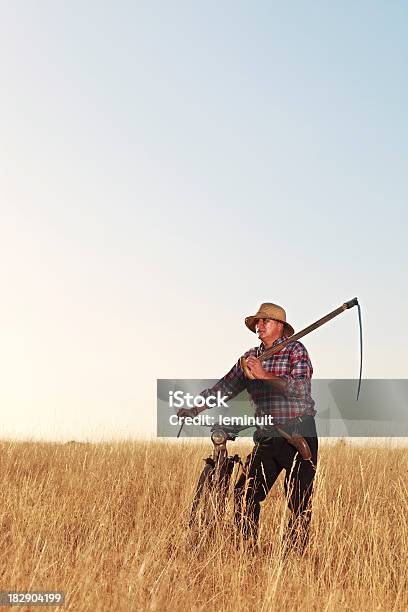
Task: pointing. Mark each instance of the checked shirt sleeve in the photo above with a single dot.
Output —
(298, 383)
(230, 385)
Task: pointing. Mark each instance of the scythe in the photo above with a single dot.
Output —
(269, 352)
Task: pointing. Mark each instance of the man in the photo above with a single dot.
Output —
(280, 386)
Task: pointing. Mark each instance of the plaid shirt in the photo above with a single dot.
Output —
(292, 364)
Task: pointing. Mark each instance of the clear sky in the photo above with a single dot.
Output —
(168, 166)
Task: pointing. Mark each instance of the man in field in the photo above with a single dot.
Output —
(280, 386)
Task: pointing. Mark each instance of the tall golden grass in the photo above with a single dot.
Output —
(106, 523)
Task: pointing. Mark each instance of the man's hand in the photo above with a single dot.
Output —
(187, 412)
(256, 368)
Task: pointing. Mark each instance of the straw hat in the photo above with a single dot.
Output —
(270, 311)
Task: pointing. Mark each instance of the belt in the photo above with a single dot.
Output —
(295, 420)
(290, 426)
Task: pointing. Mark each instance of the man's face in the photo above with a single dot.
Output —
(268, 330)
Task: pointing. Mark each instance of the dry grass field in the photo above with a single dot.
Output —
(106, 523)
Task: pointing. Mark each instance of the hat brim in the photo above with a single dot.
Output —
(250, 322)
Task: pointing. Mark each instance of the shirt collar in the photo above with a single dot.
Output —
(277, 341)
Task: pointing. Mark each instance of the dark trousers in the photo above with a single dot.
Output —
(266, 462)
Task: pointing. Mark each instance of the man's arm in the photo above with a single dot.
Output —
(293, 384)
(230, 385)
(261, 374)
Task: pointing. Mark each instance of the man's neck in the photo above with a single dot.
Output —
(270, 342)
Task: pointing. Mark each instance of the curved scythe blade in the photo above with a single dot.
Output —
(361, 350)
